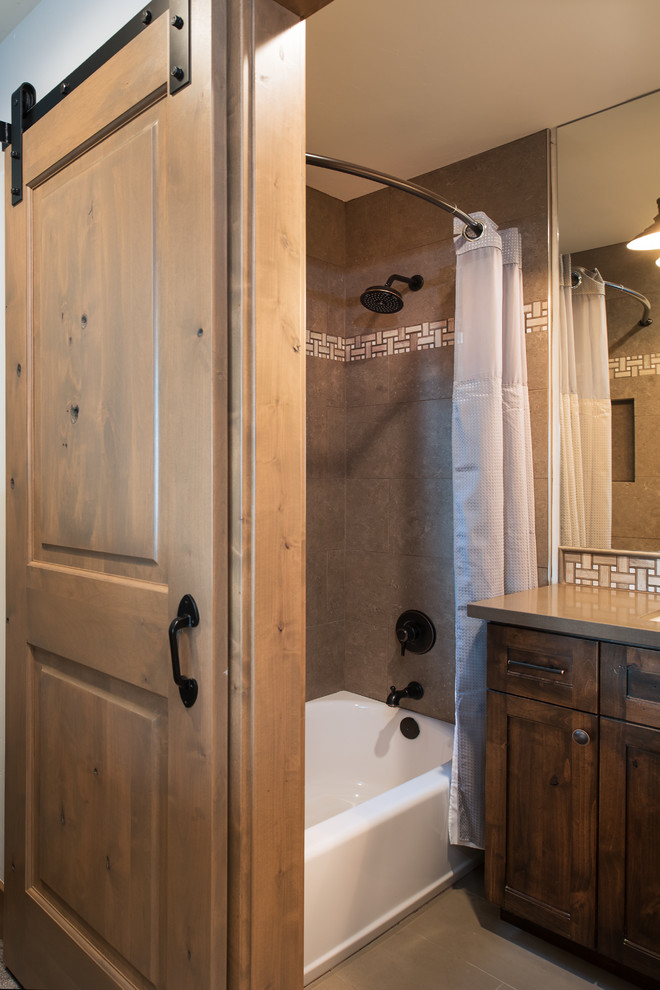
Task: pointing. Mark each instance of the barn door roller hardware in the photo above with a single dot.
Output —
(179, 45)
(25, 111)
(22, 101)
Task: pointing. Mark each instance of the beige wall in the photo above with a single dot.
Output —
(379, 496)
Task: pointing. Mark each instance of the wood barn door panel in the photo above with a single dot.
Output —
(99, 812)
(117, 823)
(95, 346)
(98, 621)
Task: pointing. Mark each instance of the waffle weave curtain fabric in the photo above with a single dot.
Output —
(494, 531)
(585, 412)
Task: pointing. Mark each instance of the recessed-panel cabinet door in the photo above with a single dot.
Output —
(116, 827)
(629, 845)
(541, 801)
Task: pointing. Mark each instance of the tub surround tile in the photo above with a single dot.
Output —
(368, 585)
(367, 516)
(325, 586)
(367, 384)
(610, 569)
(380, 341)
(368, 226)
(421, 518)
(435, 263)
(317, 587)
(419, 375)
(537, 358)
(635, 511)
(379, 440)
(325, 643)
(326, 518)
(435, 672)
(416, 222)
(538, 410)
(425, 583)
(336, 572)
(541, 521)
(326, 447)
(635, 366)
(369, 644)
(325, 384)
(326, 228)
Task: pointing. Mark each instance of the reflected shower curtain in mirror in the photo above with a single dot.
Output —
(585, 413)
(494, 530)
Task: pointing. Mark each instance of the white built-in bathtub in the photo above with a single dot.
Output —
(376, 842)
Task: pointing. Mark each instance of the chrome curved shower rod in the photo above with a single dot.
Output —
(335, 165)
(646, 321)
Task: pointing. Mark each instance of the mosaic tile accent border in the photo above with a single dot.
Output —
(611, 569)
(536, 316)
(632, 366)
(402, 340)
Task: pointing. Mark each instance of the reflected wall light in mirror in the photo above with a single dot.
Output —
(604, 189)
(649, 239)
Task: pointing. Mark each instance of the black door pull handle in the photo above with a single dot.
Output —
(187, 616)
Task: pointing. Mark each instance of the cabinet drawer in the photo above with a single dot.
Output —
(543, 666)
(630, 684)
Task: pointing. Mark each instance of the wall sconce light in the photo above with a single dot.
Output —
(649, 239)
(657, 261)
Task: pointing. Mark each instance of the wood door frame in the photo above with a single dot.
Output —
(267, 571)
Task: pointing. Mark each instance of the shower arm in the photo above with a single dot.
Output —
(335, 165)
(646, 321)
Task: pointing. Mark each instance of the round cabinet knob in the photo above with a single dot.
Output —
(581, 737)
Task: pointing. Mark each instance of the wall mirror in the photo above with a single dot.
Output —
(608, 181)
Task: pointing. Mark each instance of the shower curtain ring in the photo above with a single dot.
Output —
(472, 233)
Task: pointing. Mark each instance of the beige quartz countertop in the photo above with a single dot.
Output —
(631, 617)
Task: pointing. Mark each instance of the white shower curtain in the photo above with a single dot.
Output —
(585, 413)
(494, 532)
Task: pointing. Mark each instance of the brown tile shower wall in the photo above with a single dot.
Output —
(394, 498)
(326, 449)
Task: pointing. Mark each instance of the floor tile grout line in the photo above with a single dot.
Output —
(502, 986)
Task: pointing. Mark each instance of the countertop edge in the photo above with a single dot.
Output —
(555, 622)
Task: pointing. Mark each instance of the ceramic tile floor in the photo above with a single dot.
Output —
(6, 979)
(458, 942)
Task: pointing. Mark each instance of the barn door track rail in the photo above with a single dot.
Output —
(26, 111)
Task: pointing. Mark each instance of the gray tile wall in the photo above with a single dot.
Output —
(380, 509)
(326, 450)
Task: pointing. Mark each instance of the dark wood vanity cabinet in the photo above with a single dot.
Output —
(629, 817)
(573, 790)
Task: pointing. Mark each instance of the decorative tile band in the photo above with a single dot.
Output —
(402, 340)
(611, 569)
(635, 365)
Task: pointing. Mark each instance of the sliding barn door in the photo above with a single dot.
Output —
(116, 789)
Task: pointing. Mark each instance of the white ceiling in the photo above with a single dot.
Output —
(407, 87)
(13, 11)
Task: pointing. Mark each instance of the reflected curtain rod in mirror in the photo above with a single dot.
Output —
(646, 321)
(403, 184)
